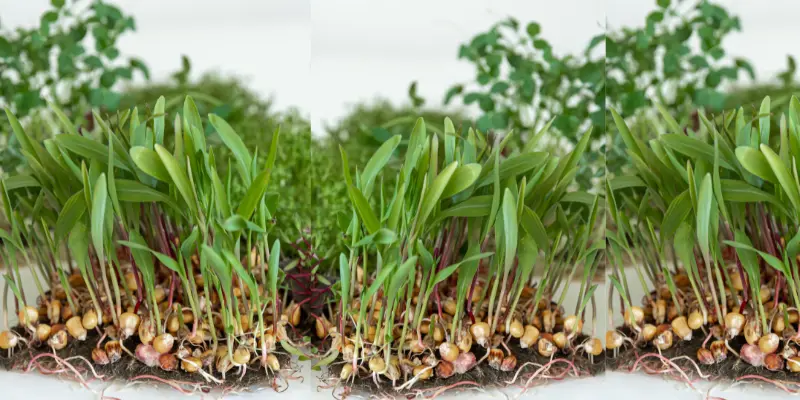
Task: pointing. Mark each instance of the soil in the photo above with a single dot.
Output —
(128, 368)
(730, 370)
(482, 375)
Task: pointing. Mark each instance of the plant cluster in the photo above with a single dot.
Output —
(711, 222)
(441, 265)
(167, 264)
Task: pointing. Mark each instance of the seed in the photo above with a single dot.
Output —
(765, 293)
(147, 355)
(241, 356)
(29, 312)
(128, 324)
(295, 317)
(224, 363)
(449, 306)
(548, 320)
(54, 312)
(793, 364)
(545, 346)
(8, 340)
(346, 371)
(768, 343)
(681, 328)
(664, 340)
(464, 341)
(719, 350)
(99, 356)
(695, 320)
(272, 362)
(163, 343)
(660, 311)
(464, 362)
(793, 316)
(530, 337)
(167, 362)
(773, 362)
(321, 328)
(191, 364)
(160, 294)
(438, 334)
(572, 324)
(448, 351)
(752, 355)
(114, 350)
(509, 363)
(560, 339)
(89, 320)
(613, 340)
(752, 331)
(635, 314)
(516, 329)
(734, 322)
(649, 332)
(422, 372)
(58, 340)
(75, 328)
(778, 324)
(480, 332)
(594, 347)
(704, 356)
(43, 332)
(376, 364)
(495, 358)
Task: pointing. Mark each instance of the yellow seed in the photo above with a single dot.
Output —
(347, 370)
(572, 324)
(734, 322)
(75, 328)
(594, 347)
(128, 324)
(560, 339)
(660, 311)
(546, 347)
(635, 314)
(191, 364)
(516, 329)
(163, 343)
(613, 340)
(793, 364)
(89, 320)
(449, 306)
(695, 320)
(160, 294)
(769, 343)
(43, 332)
(464, 342)
(681, 328)
(376, 364)
(54, 312)
(29, 315)
(241, 356)
(480, 332)
(752, 331)
(530, 337)
(448, 351)
(272, 362)
(8, 340)
(664, 340)
(58, 340)
(649, 332)
(423, 372)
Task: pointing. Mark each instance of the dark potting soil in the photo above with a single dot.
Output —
(729, 370)
(128, 368)
(482, 375)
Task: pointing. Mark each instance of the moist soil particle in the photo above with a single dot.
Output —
(482, 374)
(729, 370)
(128, 368)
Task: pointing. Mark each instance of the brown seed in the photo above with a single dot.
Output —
(704, 356)
(509, 363)
(773, 362)
(495, 358)
(548, 320)
(167, 362)
(444, 369)
(114, 350)
(719, 350)
(99, 356)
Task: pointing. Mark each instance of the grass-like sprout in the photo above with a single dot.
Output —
(720, 205)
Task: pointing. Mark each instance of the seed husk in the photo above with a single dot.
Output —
(495, 358)
(114, 350)
(545, 346)
(660, 311)
(58, 340)
(100, 357)
(773, 362)
(445, 369)
(509, 363)
(663, 340)
(54, 312)
(168, 362)
(705, 356)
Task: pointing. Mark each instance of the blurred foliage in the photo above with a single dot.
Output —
(71, 59)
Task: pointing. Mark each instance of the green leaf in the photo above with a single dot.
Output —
(510, 227)
(254, 195)
(705, 202)
(742, 192)
(378, 161)
(693, 148)
(234, 143)
(462, 179)
(99, 201)
(344, 275)
(158, 121)
(274, 267)
(363, 209)
(783, 175)
(87, 148)
(514, 166)
(21, 181)
(434, 192)
(70, 214)
(533, 226)
(476, 206)
(150, 163)
(754, 162)
(179, 178)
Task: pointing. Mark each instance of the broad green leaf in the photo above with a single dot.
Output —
(533, 226)
(693, 148)
(99, 202)
(254, 195)
(70, 214)
(87, 148)
(476, 206)
(783, 175)
(235, 143)
(363, 209)
(434, 192)
(378, 161)
(159, 119)
(179, 178)
(754, 162)
(462, 179)
(150, 163)
(705, 202)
